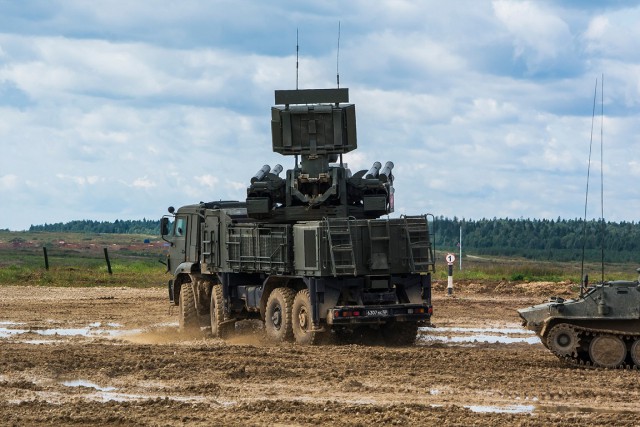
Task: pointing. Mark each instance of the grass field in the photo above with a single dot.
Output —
(77, 259)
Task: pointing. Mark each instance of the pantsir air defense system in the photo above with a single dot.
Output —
(306, 253)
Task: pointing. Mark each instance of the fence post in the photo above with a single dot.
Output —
(46, 258)
(106, 257)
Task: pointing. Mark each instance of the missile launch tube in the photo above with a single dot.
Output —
(261, 173)
(276, 170)
(373, 172)
(385, 173)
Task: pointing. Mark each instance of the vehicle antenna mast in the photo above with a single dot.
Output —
(297, 50)
(584, 279)
(338, 58)
(603, 226)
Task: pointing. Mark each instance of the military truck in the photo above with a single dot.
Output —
(308, 253)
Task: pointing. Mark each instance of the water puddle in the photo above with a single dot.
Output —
(509, 409)
(87, 384)
(477, 336)
(95, 329)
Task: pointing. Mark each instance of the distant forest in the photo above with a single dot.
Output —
(559, 240)
(143, 226)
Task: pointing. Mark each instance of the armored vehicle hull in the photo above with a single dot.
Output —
(599, 328)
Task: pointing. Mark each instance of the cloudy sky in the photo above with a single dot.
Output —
(117, 109)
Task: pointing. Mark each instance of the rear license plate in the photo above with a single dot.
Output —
(382, 312)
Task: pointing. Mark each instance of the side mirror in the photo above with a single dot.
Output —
(164, 226)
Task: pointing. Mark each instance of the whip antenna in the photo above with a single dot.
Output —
(338, 58)
(297, 50)
(603, 226)
(586, 197)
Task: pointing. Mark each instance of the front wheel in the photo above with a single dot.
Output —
(188, 321)
(303, 332)
(277, 317)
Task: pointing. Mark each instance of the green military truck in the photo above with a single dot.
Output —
(308, 253)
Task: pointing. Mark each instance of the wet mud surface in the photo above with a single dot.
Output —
(113, 356)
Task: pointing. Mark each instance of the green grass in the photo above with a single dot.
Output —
(80, 262)
(526, 270)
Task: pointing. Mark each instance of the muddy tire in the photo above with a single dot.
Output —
(301, 318)
(277, 319)
(219, 329)
(400, 333)
(188, 321)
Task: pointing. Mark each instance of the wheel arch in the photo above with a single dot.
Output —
(179, 280)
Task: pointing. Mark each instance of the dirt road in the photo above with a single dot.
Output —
(113, 356)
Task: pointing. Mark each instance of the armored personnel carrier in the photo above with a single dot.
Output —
(306, 253)
(599, 328)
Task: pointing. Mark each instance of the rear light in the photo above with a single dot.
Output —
(430, 310)
(346, 313)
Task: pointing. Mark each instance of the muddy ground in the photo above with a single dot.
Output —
(113, 356)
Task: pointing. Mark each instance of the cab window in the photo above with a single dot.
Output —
(181, 227)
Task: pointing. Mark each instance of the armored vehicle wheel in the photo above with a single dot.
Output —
(562, 339)
(188, 321)
(302, 323)
(277, 318)
(400, 333)
(635, 353)
(218, 328)
(608, 351)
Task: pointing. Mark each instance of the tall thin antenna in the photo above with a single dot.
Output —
(586, 197)
(603, 227)
(297, 52)
(338, 58)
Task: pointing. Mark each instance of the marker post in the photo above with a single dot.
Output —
(450, 258)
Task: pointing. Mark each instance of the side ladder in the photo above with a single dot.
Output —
(420, 251)
(343, 260)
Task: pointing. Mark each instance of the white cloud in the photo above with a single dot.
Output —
(539, 35)
(143, 183)
(485, 108)
(79, 180)
(207, 180)
(613, 34)
(8, 182)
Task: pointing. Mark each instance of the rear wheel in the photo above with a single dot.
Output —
(635, 353)
(303, 332)
(188, 321)
(219, 329)
(608, 351)
(277, 319)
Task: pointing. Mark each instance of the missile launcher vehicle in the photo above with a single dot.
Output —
(601, 327)
(307, 253)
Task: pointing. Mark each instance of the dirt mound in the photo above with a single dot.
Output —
(508, 288)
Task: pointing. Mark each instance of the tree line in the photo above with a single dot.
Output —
(559, 240)
(143, 226)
